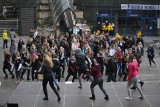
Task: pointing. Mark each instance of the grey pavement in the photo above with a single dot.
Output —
(30, 94)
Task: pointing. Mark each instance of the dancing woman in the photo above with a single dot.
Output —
(47, 70)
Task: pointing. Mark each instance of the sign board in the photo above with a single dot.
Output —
(139, 7)
(131, 13)
(79, 14)
(158, 23)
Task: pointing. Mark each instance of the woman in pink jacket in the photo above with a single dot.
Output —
(133, 77)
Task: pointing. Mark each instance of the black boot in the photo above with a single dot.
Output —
(45, 98)
(106, 97)
(133, 87)
(93, 97)
(12, 77)
(141, 83)
(59, 99)
(58, 88)
(6, 77)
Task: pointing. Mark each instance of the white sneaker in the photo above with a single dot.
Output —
(141, 97)
(18, 82)
(128, 98)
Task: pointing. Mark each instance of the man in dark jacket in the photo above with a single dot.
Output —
(82, 66)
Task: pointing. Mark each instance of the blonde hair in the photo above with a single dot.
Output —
(33, 46)
(48, 60)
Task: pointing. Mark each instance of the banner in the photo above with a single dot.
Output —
(139, 7)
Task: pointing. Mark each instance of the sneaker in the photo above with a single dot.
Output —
(141, 97)
(17, 82)
(128, 98)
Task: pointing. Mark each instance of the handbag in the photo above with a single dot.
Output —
(40, 77)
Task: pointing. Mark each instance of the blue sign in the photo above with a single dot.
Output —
(140, 7)
(133, 14)
(104, 14)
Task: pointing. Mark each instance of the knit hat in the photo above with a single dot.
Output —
(34, 55)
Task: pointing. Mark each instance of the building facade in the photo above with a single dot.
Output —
(129, 16)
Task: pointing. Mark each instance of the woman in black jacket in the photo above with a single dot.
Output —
(35, 64)
(26, 64)
(47, 70)
(150, 54)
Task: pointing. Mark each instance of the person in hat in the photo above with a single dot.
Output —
(5, 39)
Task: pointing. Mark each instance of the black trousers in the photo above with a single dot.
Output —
(28, 73)
(44, 84)
(63, 69)
(5, 44)
(111, 77)
(6, 75)
(151, 60)
(34, 74)
(18, 74)
(74, 74)
(58, 75)
(99, 82)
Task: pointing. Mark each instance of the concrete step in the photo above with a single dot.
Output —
(8, 22)
(8, 25)
(8, 30)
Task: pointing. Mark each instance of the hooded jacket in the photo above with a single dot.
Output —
(81, 62)
(5, 35)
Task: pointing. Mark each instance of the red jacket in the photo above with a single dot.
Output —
(72, 67)
(119, 56)
(96, 71)
(132, 70)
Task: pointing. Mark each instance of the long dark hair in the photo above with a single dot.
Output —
(131, 57)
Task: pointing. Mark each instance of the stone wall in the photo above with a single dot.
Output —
(43, 12)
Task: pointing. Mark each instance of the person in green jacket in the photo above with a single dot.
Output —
(5, 39)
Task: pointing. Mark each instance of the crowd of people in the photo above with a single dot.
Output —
(87, 57)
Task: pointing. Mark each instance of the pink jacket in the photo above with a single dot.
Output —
(132, 70)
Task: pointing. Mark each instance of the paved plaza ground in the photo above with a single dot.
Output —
(30, 94)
